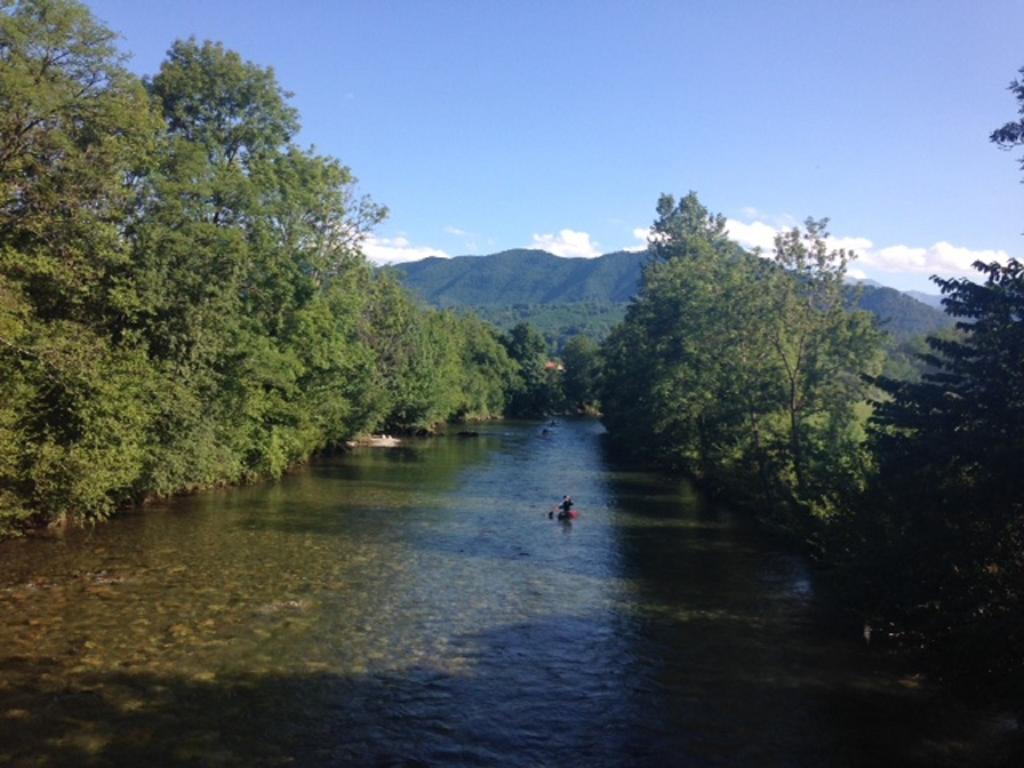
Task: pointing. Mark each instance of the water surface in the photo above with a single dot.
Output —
(416, 606)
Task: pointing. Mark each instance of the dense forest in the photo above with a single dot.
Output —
(183, 301)
(751, 376)
(558, 323)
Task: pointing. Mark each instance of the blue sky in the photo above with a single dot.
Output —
(486, 125)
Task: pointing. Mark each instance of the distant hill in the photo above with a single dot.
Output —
(863, 281)
(524, 277)
(931, 299)
(901, 315)
(513, 286)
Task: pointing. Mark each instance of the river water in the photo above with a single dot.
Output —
(416, 606)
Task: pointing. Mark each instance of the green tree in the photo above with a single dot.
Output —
(824, 352)
(687, 227)
(232, 109)
(488, 372)
(76, 130)
(246, 243)
(742, 371)
(939, 540)
(537, 391)
(581, 381)
(935, 547)
(672, 370)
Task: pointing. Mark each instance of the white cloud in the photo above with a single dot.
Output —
(384, 250)
(642, 234)
(857, 274)
(568, 243)
(455, 231)
(757, 234)
(858, 245)
(941, 258)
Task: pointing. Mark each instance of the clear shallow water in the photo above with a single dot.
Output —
(416, 606)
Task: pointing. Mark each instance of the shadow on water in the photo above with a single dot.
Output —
(524, 694)
(749, 636)
(418, 716)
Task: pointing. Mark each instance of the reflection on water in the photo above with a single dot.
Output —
(417, 607)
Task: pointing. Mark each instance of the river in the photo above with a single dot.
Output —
(416, 607)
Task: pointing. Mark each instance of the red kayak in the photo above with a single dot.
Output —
(572, 514)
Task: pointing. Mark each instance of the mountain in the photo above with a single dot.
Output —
(863, 281)
(517, 285)
(931, 299)
(899, 314)
(524, 277)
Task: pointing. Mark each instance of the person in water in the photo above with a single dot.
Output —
(564, 509)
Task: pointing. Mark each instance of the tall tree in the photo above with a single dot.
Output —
(75, 127)
(671, 368)
(939, 540)
(76, 130)
(743, 371)
(686, 226)
(937, 545)
(233, 109)
(823, 352)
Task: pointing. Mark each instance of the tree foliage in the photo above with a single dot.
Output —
(933, 550)
(742, 371)
(537, 391)
(936, 545)
(582, 380)
(183, 301)
(757, 376)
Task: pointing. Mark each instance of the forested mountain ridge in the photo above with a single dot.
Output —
(899, 314)
(931, 299)
(535, 277)
(524, 276)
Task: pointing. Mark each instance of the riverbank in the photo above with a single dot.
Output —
(17, 525)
